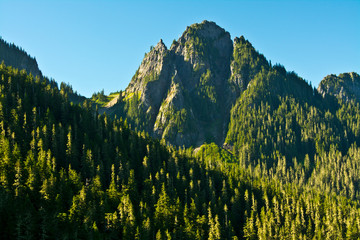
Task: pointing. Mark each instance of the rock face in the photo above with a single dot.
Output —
(346, 86)
(184, 94)
(246, 63)
(150, 82)
(18, 58)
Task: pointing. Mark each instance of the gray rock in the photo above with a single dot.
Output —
(186, 94)
(346, 86)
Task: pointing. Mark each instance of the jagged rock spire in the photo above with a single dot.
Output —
(161, 46)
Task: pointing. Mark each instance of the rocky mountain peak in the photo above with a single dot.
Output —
(205, 46)
(208, 29)
(203, 32)
(149, 69)
(345, 86)
(184, 95)
(239, 40)
(160, 46)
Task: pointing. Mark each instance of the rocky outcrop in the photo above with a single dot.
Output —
(205, 45)
(346, 86)
(245, 64)
(184, 94)
(18, 58)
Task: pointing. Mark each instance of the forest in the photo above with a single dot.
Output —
(68, 172)
(233, 148)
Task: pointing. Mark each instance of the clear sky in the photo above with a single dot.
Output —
(95, 45)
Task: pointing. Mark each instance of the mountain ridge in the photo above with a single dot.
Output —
(345, 86)
(193, 72)
(291, 169)
(18, 58)
(185, 93)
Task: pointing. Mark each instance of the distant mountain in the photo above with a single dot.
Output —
(184, 94)
(14, 56)
(346, 86)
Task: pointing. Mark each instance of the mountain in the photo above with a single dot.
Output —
(67, 172)
(285, 165)
(18, 58)
(346, 86)
(207, 88)
(183, 94)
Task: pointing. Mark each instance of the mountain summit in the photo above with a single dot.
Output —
(197, 90)
(183, 94)
(345, 86)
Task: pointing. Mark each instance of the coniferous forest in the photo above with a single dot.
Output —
(288, 168)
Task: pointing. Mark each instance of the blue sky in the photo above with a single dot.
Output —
(95, 45)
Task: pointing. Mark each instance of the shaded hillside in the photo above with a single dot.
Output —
(70, 94)
(14, 56)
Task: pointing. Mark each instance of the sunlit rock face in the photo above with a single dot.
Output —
(184, 94)
(345, 86)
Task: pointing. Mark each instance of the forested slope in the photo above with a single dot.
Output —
(14, 56)
(67, 172)
(288, 130)
(271, 120)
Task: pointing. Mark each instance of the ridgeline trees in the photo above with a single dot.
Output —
(68, 172)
